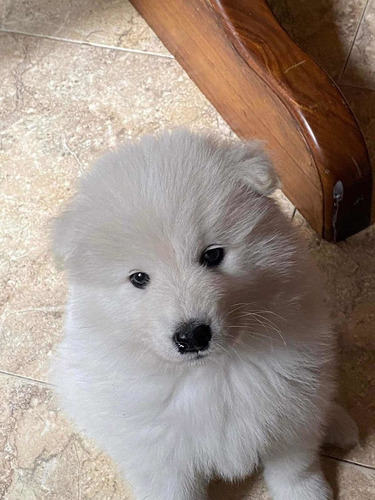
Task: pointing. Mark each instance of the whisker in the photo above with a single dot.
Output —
(267, 311)
(143, 353)
(265, 322)
(246, 330)
(265, 339)
(239, 305)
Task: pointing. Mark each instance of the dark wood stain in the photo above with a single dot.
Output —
(266, 87)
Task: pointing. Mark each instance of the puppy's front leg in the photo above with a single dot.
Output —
(296, 475)
(164, 482)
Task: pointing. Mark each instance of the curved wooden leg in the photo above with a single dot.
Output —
(264, 86)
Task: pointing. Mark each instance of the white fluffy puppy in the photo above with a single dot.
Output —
(196, 341)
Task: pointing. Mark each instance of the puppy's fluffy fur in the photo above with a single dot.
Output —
(263, 392)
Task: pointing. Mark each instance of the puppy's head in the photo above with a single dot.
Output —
(171, 244)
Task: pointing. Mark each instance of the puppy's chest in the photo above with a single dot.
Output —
(220, 422)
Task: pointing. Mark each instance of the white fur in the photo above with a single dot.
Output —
(263, 393)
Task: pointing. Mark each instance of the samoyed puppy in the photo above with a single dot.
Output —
(196, 339)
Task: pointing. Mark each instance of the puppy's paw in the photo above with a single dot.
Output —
(296, 475)
(342, 431)
(312, 487)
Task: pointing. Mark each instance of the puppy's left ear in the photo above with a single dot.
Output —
(253, 167)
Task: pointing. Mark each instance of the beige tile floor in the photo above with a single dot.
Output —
(76, 79)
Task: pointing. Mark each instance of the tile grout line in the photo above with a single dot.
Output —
(350, 462)
(23, 377)
(352, 44)
(90, 44)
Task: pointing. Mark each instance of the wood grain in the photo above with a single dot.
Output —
(265, 87)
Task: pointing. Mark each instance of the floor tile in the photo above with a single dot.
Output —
(362, 102)
(110, 22)
(349, 482)
(252, 487)
(41, 457)
(360, 70)
(62, 107)
(324, 29)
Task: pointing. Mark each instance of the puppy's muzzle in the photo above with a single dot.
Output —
(192, 337)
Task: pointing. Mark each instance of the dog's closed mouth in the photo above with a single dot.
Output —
(197, 356)
(201, 356)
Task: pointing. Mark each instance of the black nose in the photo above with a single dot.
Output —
(192, 337)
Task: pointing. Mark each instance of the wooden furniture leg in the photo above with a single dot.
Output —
(266, 87)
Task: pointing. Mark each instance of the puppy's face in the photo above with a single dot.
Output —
(170, 244)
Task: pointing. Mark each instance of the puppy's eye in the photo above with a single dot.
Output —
(212, 257)
(139, 280)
